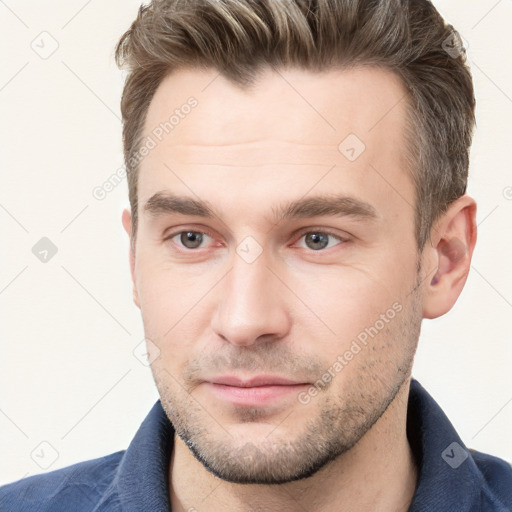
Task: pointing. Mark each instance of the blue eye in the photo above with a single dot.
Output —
(190, 239)
(318, 240)
(315, 240)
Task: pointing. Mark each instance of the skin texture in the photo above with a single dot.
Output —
(284, 302)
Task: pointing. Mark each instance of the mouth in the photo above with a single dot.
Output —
(256, 391)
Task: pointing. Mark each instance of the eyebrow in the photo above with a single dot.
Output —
(165, 203)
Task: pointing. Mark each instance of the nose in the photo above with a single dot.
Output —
(251, 304)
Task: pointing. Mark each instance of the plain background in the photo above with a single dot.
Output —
(72, 386)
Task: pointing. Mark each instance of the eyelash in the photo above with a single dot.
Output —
(300, 235)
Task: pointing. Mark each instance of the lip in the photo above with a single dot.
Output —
(257, 391)
(257, 381)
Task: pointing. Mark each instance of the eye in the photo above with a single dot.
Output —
(314, 240)
(189, 239)
(318, 240)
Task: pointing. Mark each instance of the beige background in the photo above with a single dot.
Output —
(69, 378)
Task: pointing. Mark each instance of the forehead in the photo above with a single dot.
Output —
(292, 125)
(319, 107)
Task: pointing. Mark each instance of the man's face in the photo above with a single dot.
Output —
(252, 308)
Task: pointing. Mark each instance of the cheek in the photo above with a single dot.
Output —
(163, 301)
(175, 310)
(161, 285)
(349, 299)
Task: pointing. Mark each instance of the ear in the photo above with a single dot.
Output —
(453, 240)
(127, 224)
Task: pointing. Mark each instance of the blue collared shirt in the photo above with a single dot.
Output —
(450, 477)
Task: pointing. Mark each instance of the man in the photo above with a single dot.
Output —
(298, 204)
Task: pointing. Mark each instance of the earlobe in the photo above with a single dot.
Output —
(453, 242)
(127, 224)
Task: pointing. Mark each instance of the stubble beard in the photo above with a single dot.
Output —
(303, 450)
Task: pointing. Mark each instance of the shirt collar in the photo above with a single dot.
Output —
(142, 481)
(448, 478)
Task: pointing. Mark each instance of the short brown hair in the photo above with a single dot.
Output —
(241, 37)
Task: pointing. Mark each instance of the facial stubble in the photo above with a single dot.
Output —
(292, 451)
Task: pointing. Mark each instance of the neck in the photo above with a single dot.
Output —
(378, 473)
